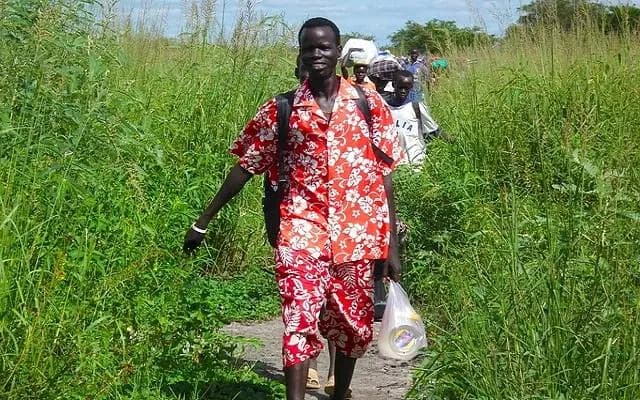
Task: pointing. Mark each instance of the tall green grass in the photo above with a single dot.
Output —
(525, 251)
(111, 144)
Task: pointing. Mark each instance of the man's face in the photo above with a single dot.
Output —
(360, 72)
(402, 86)
(319, 51)
(379, 83)
(413, 55)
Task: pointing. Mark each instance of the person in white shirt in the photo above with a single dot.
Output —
(415, 125)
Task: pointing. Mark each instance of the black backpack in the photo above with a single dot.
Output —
(272, 198)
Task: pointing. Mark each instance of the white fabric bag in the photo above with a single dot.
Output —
(402, 331)
(367, 52)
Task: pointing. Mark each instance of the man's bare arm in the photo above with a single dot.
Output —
(393, 266)
(232, 185)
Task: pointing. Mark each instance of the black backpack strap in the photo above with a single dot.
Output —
(363, 106)
(284, 103)
(272, 199)
(416, 109)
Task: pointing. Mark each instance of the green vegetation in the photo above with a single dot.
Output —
(570, 15)
(523, 249)
(438, 36)
(526, 230)
(111, 144)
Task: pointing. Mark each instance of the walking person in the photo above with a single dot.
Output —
(337, 210)
(381, 72)
(416, 127)
(313, 378)
(421, 74)
(360, 77)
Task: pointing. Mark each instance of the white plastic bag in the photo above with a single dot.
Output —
(365, 53)
(402, 331)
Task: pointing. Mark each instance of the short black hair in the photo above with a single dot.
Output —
(403, 73)
(317, 22)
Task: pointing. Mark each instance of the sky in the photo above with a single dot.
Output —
(378, 18)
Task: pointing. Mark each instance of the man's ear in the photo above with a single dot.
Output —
(339, 48)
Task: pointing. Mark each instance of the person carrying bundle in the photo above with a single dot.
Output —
(359, 58)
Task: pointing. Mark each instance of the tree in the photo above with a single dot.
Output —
(623, 19)
(569, 14)
(437, 36)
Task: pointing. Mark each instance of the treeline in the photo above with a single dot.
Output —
(572, 14)
(438, 36)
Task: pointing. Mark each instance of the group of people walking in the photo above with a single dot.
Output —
(337, 212)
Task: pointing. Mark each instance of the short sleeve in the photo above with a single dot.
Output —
(428, 123)
(383, 133)
(256, 144)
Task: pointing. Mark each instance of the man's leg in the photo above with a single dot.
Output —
(302, 280)
(332, 360)
(344, 372)
(348, 318)
(330, 385)
(295, 380)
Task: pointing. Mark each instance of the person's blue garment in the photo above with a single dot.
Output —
(414, 67)
(416, 92)
(415, 95)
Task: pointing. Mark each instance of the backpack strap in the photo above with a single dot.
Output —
(284, 103)
(416, 109)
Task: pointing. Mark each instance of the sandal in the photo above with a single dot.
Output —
(313, 381)
(331, 385)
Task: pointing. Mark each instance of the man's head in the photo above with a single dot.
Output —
(402, 85)
(360, 72)
(382, 72)
(319, 41)
(414, 54)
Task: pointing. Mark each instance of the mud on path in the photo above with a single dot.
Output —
(375, 378)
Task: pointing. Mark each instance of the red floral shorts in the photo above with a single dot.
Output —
(322, 298)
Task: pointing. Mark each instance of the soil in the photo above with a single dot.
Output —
(375, 378)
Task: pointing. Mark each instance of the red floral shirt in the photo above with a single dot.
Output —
(336, 196)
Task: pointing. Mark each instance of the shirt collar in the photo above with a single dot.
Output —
(304, 97)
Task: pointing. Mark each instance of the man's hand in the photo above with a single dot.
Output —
(392, 265)
(192, 240)
(344, 60)
(233, 183)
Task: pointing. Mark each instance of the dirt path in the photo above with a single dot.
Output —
(375, 378)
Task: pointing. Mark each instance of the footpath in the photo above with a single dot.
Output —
(376, 378)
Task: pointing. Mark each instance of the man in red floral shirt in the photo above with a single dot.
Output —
(337, 214)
